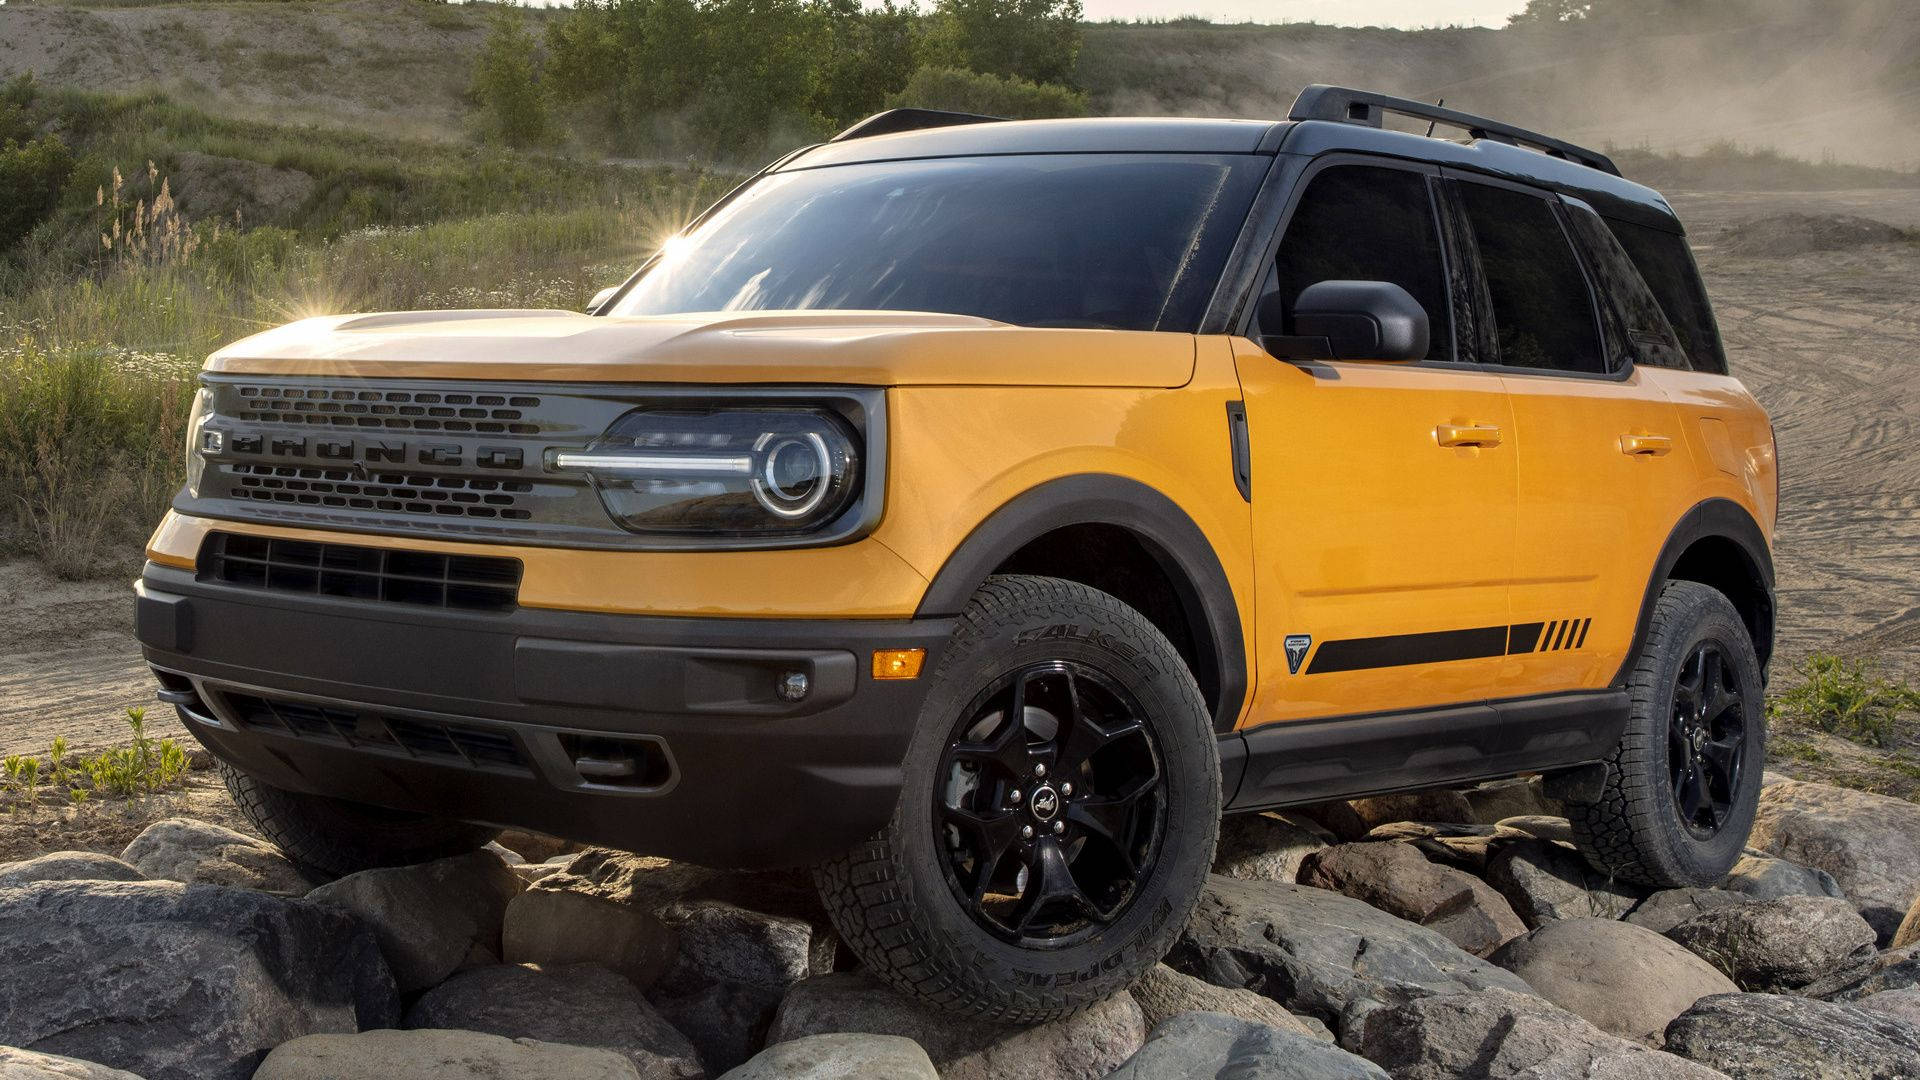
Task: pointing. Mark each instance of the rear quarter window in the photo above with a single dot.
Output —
(1667, 266)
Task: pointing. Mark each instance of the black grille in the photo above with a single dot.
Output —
(397, 493)
(468, 582)
(374, 732)
(391, 410)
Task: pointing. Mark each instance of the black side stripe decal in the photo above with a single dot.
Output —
(1440, 646)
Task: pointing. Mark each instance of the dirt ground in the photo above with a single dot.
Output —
(1829, 340)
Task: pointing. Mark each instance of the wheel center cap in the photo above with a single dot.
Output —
(1045, 803)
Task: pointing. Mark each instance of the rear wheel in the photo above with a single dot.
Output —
(1683, 783)
(1057, 818)
(337, 837)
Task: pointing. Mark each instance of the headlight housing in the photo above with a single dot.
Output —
(196, 427)
(723, 472)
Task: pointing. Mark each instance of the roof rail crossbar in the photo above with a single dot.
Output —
(1346, 106)
(895, 120)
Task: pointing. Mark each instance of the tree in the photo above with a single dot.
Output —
(869, 55)
(1036, 40)
(506, 83)
(1549, 12)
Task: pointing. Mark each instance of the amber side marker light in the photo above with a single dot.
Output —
(898, 663)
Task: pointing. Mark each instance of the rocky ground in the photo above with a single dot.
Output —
(1444, 934)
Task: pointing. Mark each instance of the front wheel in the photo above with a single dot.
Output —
(1683, 784)
(1057, 816)
(336, 837)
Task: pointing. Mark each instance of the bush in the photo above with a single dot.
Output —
(32, 177)
(1848, 698)
(989, 95)
(1037, 40)
(506, 83)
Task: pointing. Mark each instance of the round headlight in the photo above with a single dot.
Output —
(795, 472)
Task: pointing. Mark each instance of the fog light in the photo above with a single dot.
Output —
(794, 685)
(898, 663)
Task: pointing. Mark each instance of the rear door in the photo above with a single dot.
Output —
(1603, 465)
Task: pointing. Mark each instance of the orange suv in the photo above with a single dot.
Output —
(975, 510)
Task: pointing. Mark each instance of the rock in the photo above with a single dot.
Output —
(1425, 830)
(505, 854)
(651, 884)
(1907, 934)
(1778, 944)
(1469, 853)
(1669, 908)
(1777, 1037)
(1302, 946)
(554, 928)
(194, 852)
(1898, 969)
(438, 1055)
(1499, 1035)
(1438, 805)
(1623, 979)
(1764, 878)
(429, 918)
(1207, 1044)
(532, 872)
(1537, 826)
(839, 1057)
(1399, 880)
(1266, 847)
(1869, 843)
(180, 982)
(732, 970)
(27, 1065)
(1899, 1004)
(579, 1005)
(1545, 881)
(1163, 993)
(535, 847)
(68, 866)
(1089, 1044)
(1498, 800)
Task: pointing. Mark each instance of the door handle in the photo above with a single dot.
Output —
(1645, 445)
(1467, 435)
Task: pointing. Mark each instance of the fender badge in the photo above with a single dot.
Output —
(1297, 646)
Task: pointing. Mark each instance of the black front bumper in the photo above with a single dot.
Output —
(662, 735)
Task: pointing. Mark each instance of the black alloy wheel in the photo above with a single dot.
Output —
(1706, 739)
(1049, 805)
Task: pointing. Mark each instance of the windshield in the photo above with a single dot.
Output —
(1130, 242)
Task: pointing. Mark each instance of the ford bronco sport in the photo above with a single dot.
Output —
(975, 510)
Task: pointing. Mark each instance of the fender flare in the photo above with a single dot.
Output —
(1714, 518)
(1169, 535)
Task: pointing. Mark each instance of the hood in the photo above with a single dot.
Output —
(869, 348)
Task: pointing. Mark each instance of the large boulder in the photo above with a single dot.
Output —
(1869, 843)
(1778, 944)
(1197, 1045)
(554, 928)
(1899, 1004)
(180, 982)
(1322, 954)
(651, 884)
(1907, 934)
(1499, 1035)
(68, 866)
(1546, 881)
(579, 1005)
(430, 917)
(1442, 804)
(1497, 800)
(1669, 908)
(1266, 847)
(1778, 1037)
(1762, 877)
(16, 1064)
(438, 1055)
(1399, 880)
(195, 852)
(1897, 969)
(1623, 979)
(1163, 993)
(732, 970)
(839, 1057)
(1087, 1045)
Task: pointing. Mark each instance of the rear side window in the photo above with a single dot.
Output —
(1668, 269)
(1363, 223)
(1542, 309)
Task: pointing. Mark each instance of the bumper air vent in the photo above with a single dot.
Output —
(428, 579)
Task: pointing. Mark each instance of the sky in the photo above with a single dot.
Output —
(1402, 13)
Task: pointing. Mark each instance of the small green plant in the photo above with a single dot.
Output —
(57, 754)
(1845, 697)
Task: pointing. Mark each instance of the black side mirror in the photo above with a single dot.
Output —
(600, 299)
(1347, 320)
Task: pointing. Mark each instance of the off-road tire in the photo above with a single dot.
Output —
(336, 837)
(889, 898)
(1634, 831)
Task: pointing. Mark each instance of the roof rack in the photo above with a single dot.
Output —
(1342, 105)
(895, 120)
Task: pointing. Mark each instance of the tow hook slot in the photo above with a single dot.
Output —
(616, 762)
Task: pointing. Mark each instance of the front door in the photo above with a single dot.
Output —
(1383, 493)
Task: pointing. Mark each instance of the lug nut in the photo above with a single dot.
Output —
(1059, 827)
(1026, 832)
(1039, 770)
(1066, 789)
(1014, 798)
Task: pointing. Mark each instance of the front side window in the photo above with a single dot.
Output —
(1129, 242)
(1542, 310)
(1366, 223)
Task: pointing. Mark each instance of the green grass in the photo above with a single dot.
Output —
(147, 766)
(1849, 698)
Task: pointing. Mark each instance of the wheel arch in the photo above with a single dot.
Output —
(1124, 538)
(1720, 545)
